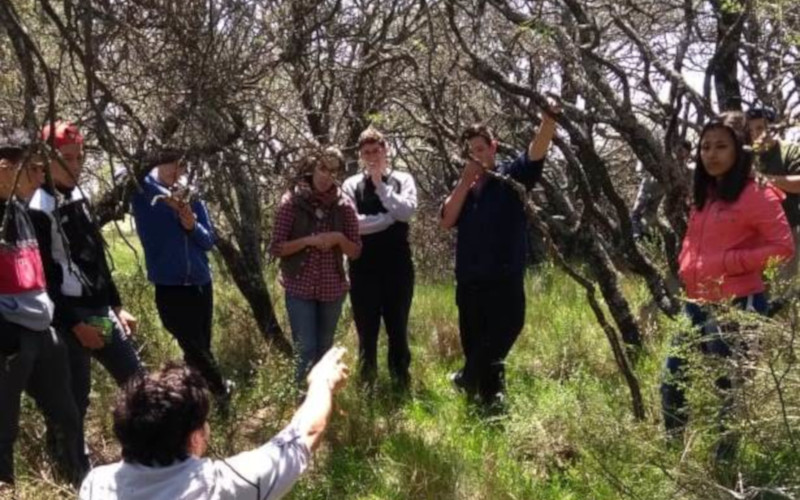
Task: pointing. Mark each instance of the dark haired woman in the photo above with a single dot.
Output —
(315, 227)
(735, 229)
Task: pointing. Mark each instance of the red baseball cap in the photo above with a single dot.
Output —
(66, 133)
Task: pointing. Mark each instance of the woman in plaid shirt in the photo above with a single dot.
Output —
(315, 228)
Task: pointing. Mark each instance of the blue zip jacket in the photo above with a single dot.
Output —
(173, 255)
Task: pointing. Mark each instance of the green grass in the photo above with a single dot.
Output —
(568, 433)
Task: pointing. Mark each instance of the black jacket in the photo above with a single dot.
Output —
(74, 256)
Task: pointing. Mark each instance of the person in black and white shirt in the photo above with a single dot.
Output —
(382, 279)
(78, 274)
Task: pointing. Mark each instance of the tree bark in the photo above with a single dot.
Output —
(250, 282)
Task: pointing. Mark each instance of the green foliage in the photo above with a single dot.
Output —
(568, 432)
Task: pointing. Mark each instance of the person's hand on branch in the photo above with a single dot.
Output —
(553, 108)
(187, 217)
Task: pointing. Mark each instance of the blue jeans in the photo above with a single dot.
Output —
(313, 324)
(118, 357)
(711, 343)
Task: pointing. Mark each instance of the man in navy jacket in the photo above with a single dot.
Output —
(490, 256)
(176, 235)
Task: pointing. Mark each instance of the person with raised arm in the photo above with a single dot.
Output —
(490, 254)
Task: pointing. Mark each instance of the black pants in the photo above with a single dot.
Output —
(37, 364)
(186, 312)
(387, 294)
(491, 314)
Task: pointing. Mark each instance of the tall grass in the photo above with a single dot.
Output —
(568, 432)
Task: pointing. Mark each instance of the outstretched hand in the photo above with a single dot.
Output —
(331, 370)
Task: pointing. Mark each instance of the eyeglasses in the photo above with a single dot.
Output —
(325, 169)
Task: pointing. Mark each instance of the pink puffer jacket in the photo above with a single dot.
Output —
(728, 245)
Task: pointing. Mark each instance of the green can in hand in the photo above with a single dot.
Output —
(104, 323)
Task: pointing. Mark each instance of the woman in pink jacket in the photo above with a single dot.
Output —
(736, 228)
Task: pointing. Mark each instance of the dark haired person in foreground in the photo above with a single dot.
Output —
(490, 255)
(735, 229)
(161, 420)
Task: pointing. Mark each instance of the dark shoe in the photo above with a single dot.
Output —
(495, 405)
(401, 386)
(775, 307)
(457, 379)
(368, 376)
(725, 448)
(223, 399)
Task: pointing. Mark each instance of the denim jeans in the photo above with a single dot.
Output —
(313, 324)
(712, 343)
(118, 357)
(39, 366)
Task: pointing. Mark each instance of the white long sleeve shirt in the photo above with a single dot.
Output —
(266, 473)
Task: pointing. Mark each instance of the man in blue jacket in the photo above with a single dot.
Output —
(176, 235)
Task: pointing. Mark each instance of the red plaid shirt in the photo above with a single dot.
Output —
(320, 278)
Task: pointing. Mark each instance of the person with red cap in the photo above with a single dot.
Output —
(88, 309)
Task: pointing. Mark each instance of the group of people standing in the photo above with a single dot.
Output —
(59, 305)
(367, 220)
